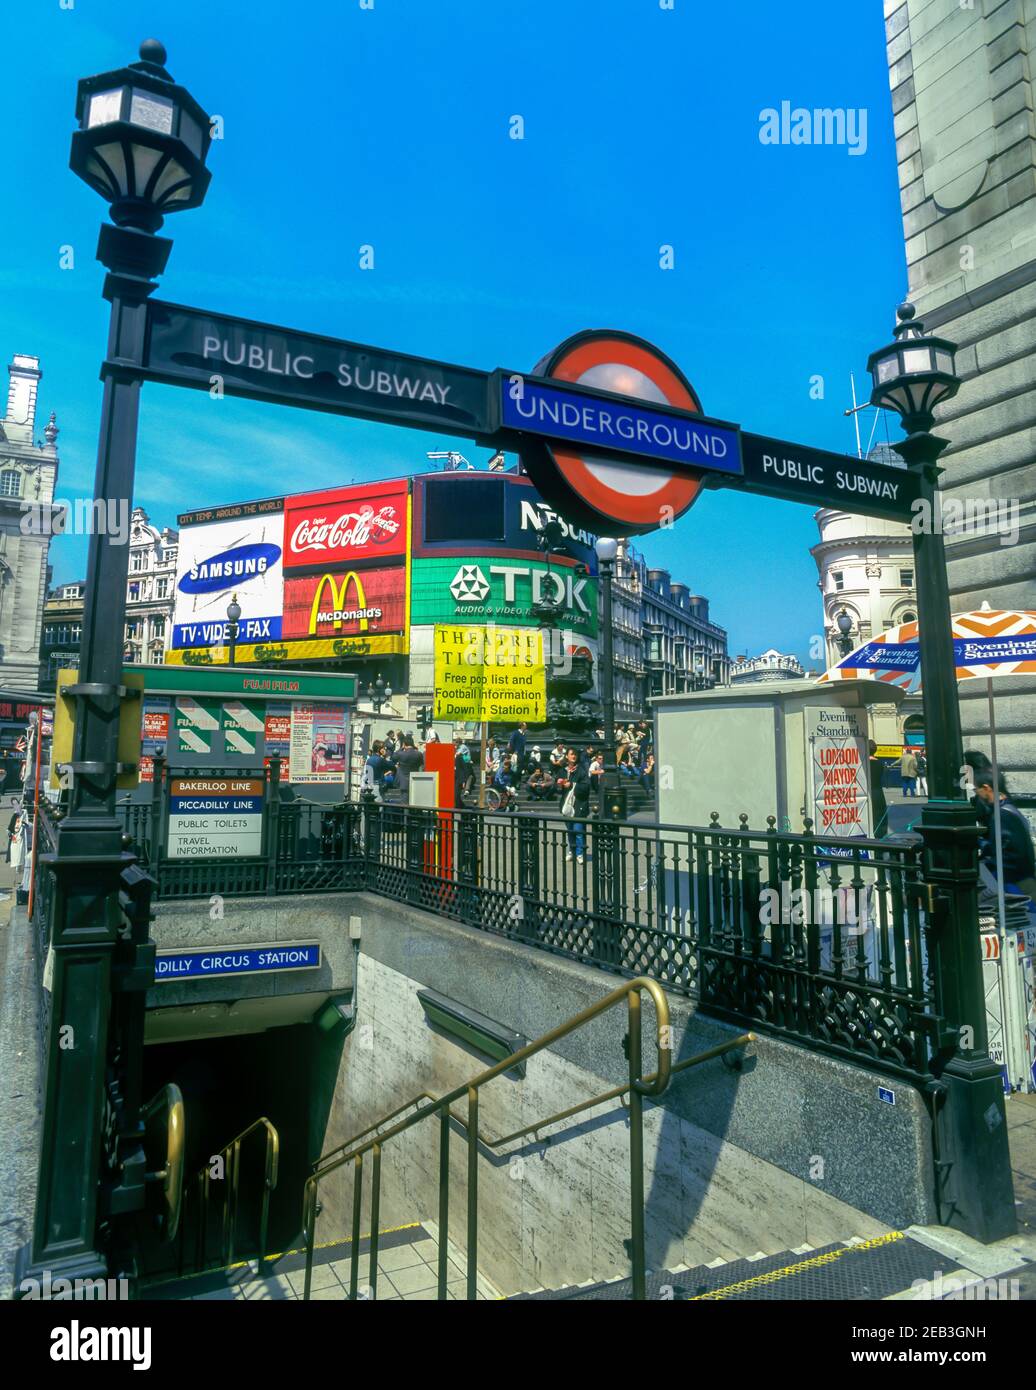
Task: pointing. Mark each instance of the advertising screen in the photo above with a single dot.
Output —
(366, 523)
(467, 513)
(344, 602)
(494, 589)
(219, 559)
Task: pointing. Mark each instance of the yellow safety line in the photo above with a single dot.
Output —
(786, 1271)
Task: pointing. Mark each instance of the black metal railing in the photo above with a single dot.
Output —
(822, 941)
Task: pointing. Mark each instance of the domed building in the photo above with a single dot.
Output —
(866, 570)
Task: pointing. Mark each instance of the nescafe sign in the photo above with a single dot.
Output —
(347, 525)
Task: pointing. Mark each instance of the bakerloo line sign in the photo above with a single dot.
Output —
(607, 426)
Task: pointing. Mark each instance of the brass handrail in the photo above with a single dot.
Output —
(231, 1154)
(743, 1040)
(638, 1087)
(170, 1099)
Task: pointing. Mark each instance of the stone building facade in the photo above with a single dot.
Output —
(28, 478)
(963, 80)
(866, 567)
(150, 589)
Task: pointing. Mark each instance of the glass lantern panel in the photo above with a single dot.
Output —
(114, 156)
(104, 108)
(917, 360)
(172, 174)
(191, 133)
(151, 111)
(888, 368)
(944, 362)
(144, 161)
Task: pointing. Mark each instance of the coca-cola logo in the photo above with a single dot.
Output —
(348, 530)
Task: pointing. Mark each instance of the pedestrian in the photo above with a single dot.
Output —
(879, 806)
(375, 770)
(463, 773)
(1019, 859)
(540, 784)
(389, 745)
(408, 760)
(13, 833)
(647, 774)
(557, 757)
(922, 773)
(908, 772)
(596, 769)
(535, 756)
(431, 737)
(516, 747)
(574, 786)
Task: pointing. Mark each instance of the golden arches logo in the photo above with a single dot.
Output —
(338, 593)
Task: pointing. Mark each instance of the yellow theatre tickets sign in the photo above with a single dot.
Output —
(489, 673)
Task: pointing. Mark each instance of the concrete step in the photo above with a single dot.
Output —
(858, 1269)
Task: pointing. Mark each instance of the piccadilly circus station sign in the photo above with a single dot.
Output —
(607, 426)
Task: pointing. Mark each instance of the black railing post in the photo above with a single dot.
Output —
(158, 803)
(271, 827)
(470, 827)
(530, 833)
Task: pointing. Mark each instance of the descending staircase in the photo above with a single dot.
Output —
(884, 1267)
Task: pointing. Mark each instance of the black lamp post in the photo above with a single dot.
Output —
(911, 376)
(845, 627)
(379, 694)
(233, 618)
(142, 143)
(613, 798)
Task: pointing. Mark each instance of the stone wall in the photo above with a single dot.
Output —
(963, 97)
(729, 1156)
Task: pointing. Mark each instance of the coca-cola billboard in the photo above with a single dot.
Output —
(363, 523)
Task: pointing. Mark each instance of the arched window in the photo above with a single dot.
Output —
(10, 483)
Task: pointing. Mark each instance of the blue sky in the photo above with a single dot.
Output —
(390, 127)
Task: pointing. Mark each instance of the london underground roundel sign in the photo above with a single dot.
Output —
(616, 495)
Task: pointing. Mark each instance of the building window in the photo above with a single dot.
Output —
(133, 629)
(161, 588)
(908, 618)
(138, 561)
(10, 483)
(838, 579)
(158, 627)
(134, 591)
(906, 578)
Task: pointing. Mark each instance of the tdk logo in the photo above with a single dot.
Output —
(235, 566)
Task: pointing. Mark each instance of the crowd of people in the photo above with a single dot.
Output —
(512, 764)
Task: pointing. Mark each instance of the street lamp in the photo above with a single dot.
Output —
(233, 618)
(379, 694)
(913, 374)
(845, 627)
(612, 798)
(142, 143)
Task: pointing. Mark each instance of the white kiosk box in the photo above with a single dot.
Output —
(786, 749)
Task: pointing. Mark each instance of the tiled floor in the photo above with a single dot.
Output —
(405, 1272)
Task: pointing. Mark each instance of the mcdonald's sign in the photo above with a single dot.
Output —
(344, 604)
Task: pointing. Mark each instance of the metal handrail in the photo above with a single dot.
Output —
(638, 1087)
(201, 1181)
(743, 1040)
(170, 1099)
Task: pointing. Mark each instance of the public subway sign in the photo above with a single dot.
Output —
(188, 347)
(822, 479)
(609, 429)
(211, 962)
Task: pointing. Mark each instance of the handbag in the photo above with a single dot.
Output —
(568, 806)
